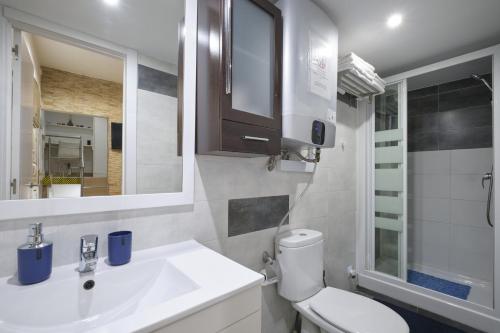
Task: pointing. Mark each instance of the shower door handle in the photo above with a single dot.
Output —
(487, 176)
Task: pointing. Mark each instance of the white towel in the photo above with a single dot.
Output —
(354, 60)
(358, 76)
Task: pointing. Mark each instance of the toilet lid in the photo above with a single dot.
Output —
(356, 314)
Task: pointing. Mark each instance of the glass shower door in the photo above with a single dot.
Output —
(389, 184)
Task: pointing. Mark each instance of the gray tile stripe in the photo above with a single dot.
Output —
(454, 115)
(254, 214)
(153, 80)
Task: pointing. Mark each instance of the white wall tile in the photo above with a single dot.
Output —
(473, 240)
(471, 265)
(429, 186)
(468, 187)
(427, 209)
(429, 162)
(472, 252)
(429, 242)
(476, 161)
(451, 201)
(469, 213)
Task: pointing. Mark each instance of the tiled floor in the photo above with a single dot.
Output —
(421, 324)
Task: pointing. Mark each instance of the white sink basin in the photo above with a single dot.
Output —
(157, 287)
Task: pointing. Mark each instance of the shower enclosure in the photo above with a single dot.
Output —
(427, 230)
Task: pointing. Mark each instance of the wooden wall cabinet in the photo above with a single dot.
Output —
(239, 74)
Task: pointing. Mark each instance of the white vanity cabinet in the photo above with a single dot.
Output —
(240, 313)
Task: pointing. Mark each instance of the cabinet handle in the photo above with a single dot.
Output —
(254, 138)
(229, 46)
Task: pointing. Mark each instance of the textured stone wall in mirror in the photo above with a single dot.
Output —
(68, 124)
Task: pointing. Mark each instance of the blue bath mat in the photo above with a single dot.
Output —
(443, 286)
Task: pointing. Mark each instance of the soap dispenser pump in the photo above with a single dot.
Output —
(34, 259)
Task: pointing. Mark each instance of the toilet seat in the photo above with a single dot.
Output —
(336, 310)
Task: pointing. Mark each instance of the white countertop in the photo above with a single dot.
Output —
(217, 276)
(212, 278)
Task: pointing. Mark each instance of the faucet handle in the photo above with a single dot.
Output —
(88, 243)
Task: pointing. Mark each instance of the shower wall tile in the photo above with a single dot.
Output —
(469, 213)
(424, 123)
(435, 210)
(472, 252)
(476, 161)
(472, 265)
(468, 187)
(479, 116)
(466, 138)
(423, 92)
(455, 115)
(457, 219)
(463, 98)
(423, 141)
(464, 83)
(429, 186)
(429, 162)
(429, 242)
(473, 240)
(422, 105)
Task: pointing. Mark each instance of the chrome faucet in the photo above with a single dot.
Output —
(88, 253)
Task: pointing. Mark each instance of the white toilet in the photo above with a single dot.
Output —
(300, 257)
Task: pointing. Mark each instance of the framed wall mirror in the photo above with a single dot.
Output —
(99, 108)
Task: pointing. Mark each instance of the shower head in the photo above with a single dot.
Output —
(482, 79)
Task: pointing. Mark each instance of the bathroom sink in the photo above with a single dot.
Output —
(157, 287)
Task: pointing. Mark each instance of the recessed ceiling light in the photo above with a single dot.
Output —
(394, 21)
(111, 2)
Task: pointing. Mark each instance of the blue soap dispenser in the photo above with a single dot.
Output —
(34, 259)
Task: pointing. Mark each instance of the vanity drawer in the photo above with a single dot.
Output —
(240, 313)
(243, 138)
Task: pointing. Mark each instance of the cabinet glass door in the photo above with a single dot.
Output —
(253, 59)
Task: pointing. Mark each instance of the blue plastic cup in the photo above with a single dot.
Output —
(119, 247)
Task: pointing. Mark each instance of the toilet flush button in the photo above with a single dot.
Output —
(302, 234)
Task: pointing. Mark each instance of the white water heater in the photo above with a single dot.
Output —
(310, 51)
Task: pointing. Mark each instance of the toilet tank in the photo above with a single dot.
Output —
(300, 256)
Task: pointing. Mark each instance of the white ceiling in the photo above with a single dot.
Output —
(148, 26)
(432, 30)
(53, 54)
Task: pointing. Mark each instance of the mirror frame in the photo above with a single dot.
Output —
(16, 209)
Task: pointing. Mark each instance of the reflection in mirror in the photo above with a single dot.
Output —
(75, 153)
(68, 116)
